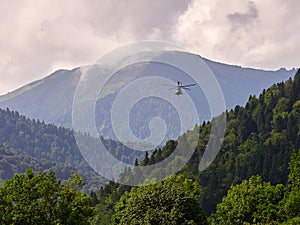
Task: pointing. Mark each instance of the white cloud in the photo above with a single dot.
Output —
(38, 37)
(260, 34)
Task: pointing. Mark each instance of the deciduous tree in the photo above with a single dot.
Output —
(42, 199)
(174, 201)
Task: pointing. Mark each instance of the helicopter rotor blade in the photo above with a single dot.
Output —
(169, 85)
(188, 85)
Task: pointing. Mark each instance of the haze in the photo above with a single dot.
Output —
(39, 37)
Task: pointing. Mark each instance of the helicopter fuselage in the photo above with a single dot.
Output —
(179, 88)
(178, 91)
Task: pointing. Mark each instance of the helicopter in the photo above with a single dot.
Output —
(179, 88)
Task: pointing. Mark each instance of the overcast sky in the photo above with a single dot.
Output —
(40, 36)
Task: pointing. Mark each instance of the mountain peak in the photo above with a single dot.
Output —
(51, 98)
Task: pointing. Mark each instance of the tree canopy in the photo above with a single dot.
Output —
(174, 201)
(42, 199)
(252, 201)
(257, 202)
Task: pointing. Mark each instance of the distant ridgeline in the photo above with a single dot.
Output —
(259, 140)
(51, 98)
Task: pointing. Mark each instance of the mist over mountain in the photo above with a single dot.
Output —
(51, 98)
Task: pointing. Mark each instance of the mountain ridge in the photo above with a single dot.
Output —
(50, 99)
(31, 84)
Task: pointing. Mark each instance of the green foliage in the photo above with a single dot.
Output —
(291, 206)
(259, 139)
(293, 221)
(105, 201)
(252, 201)
(26, 143)
(41, 199)
(257, 202)
(174, 201)
(294, 175)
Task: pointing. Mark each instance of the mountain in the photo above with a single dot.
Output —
(51, 99)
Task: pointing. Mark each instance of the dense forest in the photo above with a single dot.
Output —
(26, 143)
(259, 140)
(255, 178)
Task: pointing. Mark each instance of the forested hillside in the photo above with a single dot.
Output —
(259, 140)
(253, 180)
(26, 143)
(30, 143)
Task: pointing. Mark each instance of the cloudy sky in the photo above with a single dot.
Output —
(38, 37)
